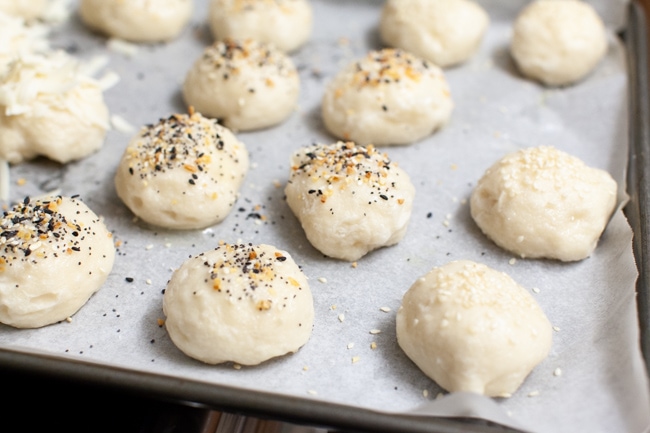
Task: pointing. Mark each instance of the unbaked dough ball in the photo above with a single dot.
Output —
(137, 20)
(473, 329)
(558, 42)
(50, 107)
(54, 254)
(18, 38)
(27, 9)
(240, 303)
(389, 97)
(349, 199)
(544, 203)
(286, 24)
(183, 172)
(445, 32)
(246, 84)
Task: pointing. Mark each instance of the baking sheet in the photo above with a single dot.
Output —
(594, 378)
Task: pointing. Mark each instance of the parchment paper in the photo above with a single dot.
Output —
(593, 379)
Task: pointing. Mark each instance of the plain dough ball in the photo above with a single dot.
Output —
(286, 24)
(473, 329)
(349, 199)
(18, 38)
(137, 20)
(27, 9)
(389, 97)
(445, 32)
(55, 254)
(544, 203)
(246, 84)
(240, 303)
(50, 107)
(184, 172)
(558, 42)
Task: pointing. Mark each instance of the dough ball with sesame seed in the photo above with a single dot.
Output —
(445, 32)
(389, 97)
(137, 20)
(54, 254)
(541, 202)
(558, 42)
(240, 303)
(245, 84)
(183, 172)
(286, 24)
(50, 106)
(473, 329)
(349, 199)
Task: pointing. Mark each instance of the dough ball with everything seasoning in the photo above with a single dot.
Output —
(389, 97)
(445, 32)
(239, 302)
(473, 329)
(541, 202)
(54, 254)
(50, 106)
(137, 20)
(558, 42)
(349, 199)
(245, 84)
(286, 24)
(184, 172)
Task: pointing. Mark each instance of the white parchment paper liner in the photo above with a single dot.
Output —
(593, 379)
